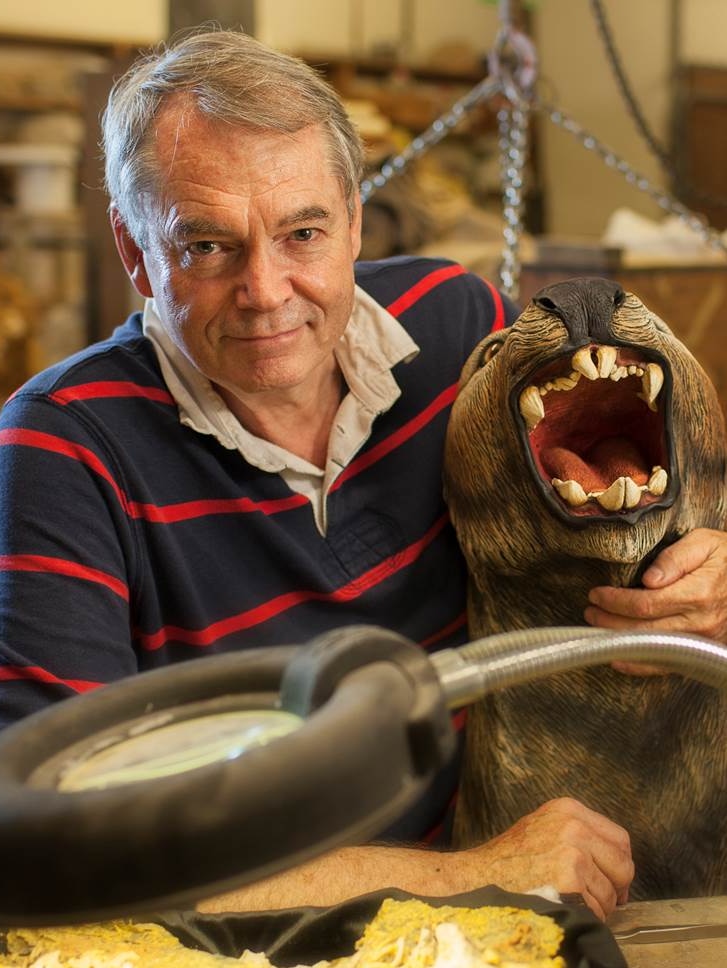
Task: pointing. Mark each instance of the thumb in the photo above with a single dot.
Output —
(679, 559)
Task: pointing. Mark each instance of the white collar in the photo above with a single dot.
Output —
(372, 343)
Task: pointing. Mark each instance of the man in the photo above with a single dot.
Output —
(258, 458)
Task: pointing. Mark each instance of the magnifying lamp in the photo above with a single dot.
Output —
(179, 783)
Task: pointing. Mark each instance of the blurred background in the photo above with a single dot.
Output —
(399, 65)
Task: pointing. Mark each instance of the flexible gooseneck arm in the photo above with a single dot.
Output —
(512, 658)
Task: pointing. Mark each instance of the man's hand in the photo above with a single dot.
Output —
(685, 590)
(566, 845)
(562, 844)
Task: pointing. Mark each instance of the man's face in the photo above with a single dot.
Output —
(250, 252)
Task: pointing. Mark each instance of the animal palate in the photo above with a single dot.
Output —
(594, 425)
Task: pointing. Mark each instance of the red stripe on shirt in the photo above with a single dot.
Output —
(165, 514)
(421, 288)
(500, 318)
(400, 436)
(170, 513)
(58, 445)
(36, 674)
(111, 388)
(61, 566)
(444, 633)
(282, 603)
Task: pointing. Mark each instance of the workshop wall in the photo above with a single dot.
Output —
(140, 21)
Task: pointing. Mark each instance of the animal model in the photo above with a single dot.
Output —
(583, 439)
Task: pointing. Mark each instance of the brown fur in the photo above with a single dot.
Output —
(651, 753)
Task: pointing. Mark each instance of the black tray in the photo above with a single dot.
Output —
(305, 935)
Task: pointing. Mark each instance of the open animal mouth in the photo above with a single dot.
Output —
(595, 424)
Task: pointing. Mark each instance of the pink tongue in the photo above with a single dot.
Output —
(606, 461)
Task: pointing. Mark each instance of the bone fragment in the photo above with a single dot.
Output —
(531, 407)
(582, 363)
(571, 492)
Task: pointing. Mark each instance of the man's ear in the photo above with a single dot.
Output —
(355, 226)
(131, 255)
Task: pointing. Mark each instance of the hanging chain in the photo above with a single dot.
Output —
(660, 153)
(513, 125)
(514, 61)
(484, 91)
(512, 73)
(664, 199)
(632, 105)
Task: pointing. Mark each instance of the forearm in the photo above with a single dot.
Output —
(562, 844)
(351, 871)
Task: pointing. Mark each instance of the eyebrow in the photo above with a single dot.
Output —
(185, 228)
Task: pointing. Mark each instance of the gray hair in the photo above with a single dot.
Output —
(229, 77)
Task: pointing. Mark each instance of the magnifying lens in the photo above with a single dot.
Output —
(176, 784)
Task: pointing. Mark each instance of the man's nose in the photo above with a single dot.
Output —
(264, 280)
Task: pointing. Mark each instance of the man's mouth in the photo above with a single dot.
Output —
(596, 430)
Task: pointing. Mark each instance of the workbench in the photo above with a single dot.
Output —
(695, 952)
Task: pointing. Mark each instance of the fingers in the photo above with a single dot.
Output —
(691, 598)
(682, 557)
(565, 844)
(600, 855)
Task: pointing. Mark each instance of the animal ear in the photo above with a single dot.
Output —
(481, 355)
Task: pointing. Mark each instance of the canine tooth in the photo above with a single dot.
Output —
(571, 492)
(582, 363)
(658, 481)
(606, 360)
(651, 382)
(612, 499)
(531, 407)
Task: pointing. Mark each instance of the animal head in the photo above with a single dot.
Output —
(587, 428)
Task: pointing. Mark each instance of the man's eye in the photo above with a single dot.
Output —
(204, 248)
(303, 235)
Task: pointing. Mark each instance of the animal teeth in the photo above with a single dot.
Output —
(583, 363)
(658, 481)
(571, 492)
(618, 373)
(564, 383)
(606, 360)
(632, 493)
(531, 407)
(651, 383)
(623, 493)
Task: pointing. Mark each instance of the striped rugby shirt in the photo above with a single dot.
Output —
(129, 541)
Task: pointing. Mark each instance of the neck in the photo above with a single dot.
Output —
(298, 419)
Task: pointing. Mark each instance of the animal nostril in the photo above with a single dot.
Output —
(545, 303)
